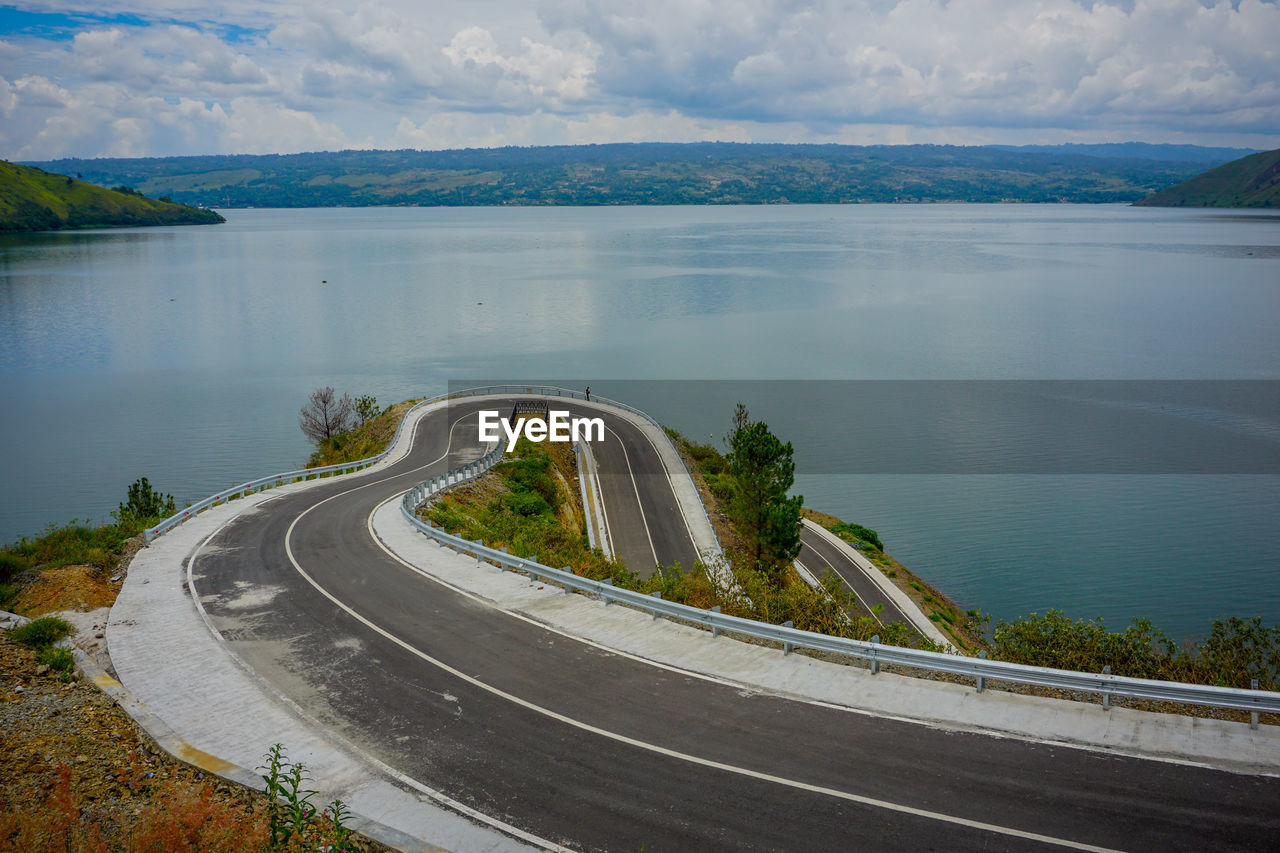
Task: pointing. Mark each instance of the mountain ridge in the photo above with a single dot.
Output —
(648, 173)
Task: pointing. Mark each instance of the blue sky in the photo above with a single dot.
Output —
(161, 77)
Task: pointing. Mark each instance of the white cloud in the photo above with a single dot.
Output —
(490, 72)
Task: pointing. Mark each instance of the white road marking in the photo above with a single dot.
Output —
(655, 748)
(639, 503)
(897, 807)
(438, 796)
(857, 597)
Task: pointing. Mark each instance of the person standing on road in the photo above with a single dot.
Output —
(588, 393)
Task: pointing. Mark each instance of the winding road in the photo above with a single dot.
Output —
(570, 744)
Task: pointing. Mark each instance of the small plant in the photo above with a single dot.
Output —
(43, 632)
(290, 813)
(57, 658)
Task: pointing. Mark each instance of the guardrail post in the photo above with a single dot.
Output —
(568, 588)
(875, 663)
(479, 559)
(787, 648)
(1106, 694)
(657, 595)
(502, 561)
(1253, 715)
(982, 681)
(715, 629)
(604, 594)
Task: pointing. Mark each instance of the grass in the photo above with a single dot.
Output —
(43, 632)
(72, 544)
(520, 506)
(368, 439)
(57, 658)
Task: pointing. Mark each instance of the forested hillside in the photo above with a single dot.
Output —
(699, 173)
(1252, 181)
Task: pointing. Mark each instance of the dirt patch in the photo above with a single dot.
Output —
(78, 588)
(72, 764)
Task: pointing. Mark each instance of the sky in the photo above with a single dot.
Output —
(169, 77)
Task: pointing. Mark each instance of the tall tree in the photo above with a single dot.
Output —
(326, 415)
(763, 470)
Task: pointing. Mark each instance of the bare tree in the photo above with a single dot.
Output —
(326, 415)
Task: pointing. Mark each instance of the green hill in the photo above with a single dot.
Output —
(1252, 181)
(652, 173)
(32, 199)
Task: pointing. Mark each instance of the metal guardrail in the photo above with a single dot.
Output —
(980, 669)
(264, 483)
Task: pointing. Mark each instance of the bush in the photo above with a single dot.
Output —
(1054, 640)
(859, 533)
(11, 564)
(1240, 650)
(43, 632)
(527, 504)
(57, 658)
(145, 503)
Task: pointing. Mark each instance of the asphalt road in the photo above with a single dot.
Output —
(820, 557)
(600, 751)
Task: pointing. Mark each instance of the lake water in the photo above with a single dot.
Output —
(184, 354)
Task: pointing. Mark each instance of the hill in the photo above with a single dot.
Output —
(1142, 151)
(644, 173)
(32, 199)
(1252, 181)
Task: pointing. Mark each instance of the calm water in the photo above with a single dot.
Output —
(184, 354)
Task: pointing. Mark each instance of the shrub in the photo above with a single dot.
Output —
(57, 658)
(859, 533)
(145, 503)
(527, 504)
(1240, 650)
(11, 564)
(43, 632)
(1054, 640)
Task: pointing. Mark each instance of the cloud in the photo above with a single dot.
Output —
(496, 72)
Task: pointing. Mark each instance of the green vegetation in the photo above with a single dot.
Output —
(291, 817)
(1252, 181)
(32, 199)
(857, 535)
(77, 543)
(762, 471)
(42, 633)
(1235, 652)
(654, 173)
(372, 436)
(58, 659)
(526, 506)
(145, 503)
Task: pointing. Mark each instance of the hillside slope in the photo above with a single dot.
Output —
(32, 199)
(641, 173)
(1252, 181)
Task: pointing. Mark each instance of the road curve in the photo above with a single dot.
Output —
(594, 750)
